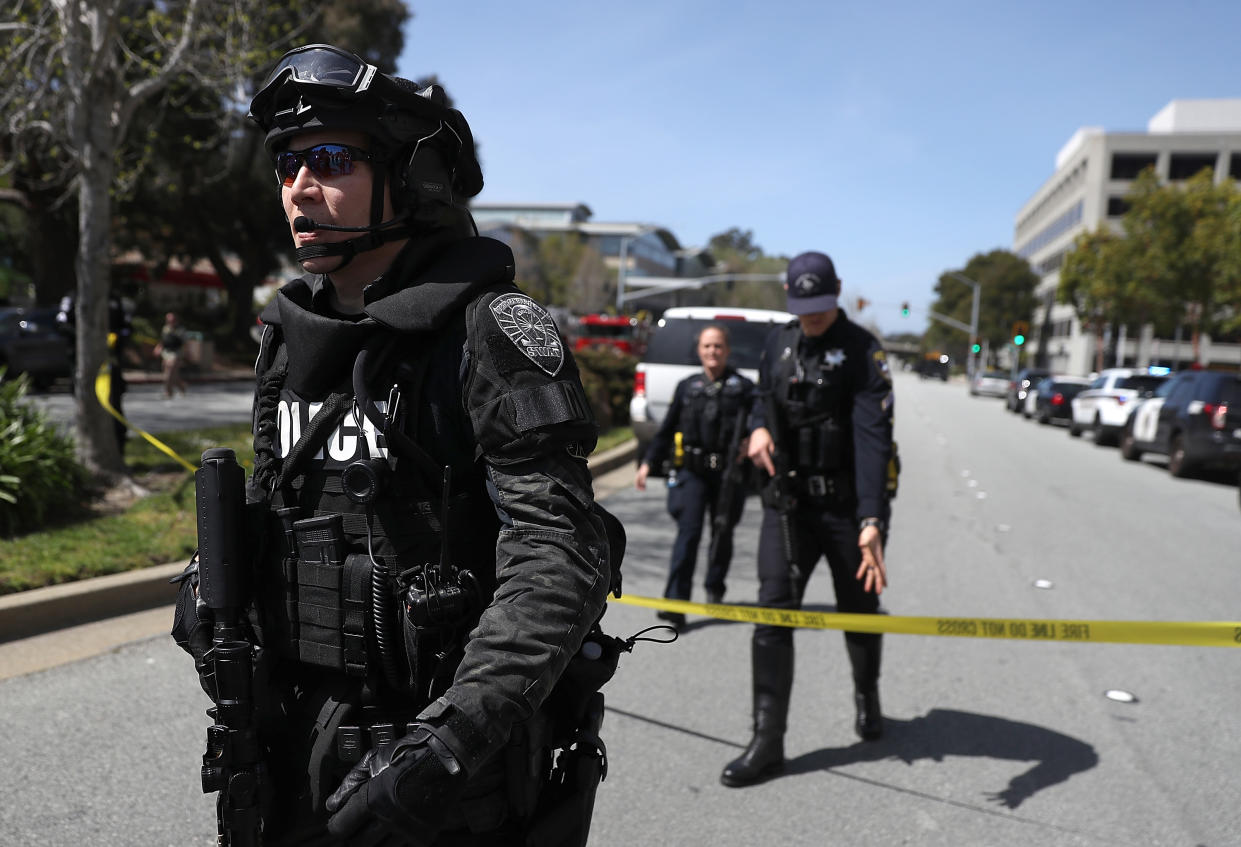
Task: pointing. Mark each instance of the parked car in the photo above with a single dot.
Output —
(1019, 386)
(989, 384)
(1194, 419)
(1050, 401)
(671, 355)
(934, 365)
(31, 343)
(1105, 406)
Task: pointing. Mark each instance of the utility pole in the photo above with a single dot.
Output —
(973, 359)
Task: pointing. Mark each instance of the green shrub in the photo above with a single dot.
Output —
(607, 376)
(40, 477)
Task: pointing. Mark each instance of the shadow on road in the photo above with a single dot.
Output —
(948, 732)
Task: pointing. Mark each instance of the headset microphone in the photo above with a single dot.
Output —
(304, 224)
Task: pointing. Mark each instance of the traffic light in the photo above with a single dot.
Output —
(1020, 328)
(977, 348)
(905, 309)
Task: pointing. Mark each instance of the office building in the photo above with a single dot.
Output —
(1094, 172)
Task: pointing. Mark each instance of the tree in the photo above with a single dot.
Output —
(735, 252)
(1177, 257)
(570, 272)
(1006, 296)
(73, 75)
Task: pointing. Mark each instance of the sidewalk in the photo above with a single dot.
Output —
(42, 610)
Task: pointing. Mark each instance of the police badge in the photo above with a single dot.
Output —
(531, 329)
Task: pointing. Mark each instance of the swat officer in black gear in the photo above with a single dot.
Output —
(822, 428)
(428, 556)
(708, 413)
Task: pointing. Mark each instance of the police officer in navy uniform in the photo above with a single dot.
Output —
(822, 429)
(709, 410)
(430, 556)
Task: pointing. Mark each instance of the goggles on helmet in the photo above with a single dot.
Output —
(316, 69)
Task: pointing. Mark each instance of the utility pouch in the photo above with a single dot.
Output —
(829, 446)
(894, 472)
(333, 596)
(527, 761)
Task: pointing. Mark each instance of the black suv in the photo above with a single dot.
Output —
(1194, 418)
(1020, 387)
(31, 343)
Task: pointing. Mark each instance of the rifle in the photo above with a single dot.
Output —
(232, 764)
(785, 498)
(731, 483)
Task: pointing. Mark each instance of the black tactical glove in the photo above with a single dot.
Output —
(192, 626)
(400, 790)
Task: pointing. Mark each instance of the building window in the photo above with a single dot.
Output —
(1062, 224)
(1129, 165)
(1185, 165)
(1117, 206)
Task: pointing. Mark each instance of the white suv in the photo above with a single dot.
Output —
(671, 355)
(1105, 405)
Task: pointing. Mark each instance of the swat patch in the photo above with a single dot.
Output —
(531, 329)
(881, 365)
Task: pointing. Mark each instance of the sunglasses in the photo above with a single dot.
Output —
(324, 160)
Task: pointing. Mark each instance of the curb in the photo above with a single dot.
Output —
(43, 610)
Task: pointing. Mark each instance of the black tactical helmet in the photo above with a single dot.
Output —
(426, 147)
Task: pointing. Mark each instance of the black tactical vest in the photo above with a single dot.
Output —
(810, 389)
(709, 418)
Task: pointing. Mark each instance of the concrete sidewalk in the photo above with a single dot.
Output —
(42, 610)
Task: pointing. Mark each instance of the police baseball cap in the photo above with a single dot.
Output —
(812, 284)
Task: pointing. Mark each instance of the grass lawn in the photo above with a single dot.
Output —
(140, 532)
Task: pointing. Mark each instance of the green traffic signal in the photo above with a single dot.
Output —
(1019, 339)
(977, 348)
(904, 310)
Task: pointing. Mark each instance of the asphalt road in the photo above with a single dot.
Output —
(989, 741)
(205, 404)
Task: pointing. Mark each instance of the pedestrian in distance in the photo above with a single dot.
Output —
(822, 432)
(170, 349)
(703, 436)
(431, 566)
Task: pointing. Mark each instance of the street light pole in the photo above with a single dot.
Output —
(620, 274)
(623, 269)
(973, 359)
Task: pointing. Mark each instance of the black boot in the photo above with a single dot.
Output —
(773, 681)
(869, 724)
(865, 651)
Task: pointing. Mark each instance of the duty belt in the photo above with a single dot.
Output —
(699, 460)
(824, 486)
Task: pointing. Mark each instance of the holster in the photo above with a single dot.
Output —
(568, 802)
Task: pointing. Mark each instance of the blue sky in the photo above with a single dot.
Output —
(899, 137)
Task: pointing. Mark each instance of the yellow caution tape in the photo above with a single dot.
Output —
(1196, 634)
(103, 390)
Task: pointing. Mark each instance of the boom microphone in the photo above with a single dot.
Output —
(304, 224)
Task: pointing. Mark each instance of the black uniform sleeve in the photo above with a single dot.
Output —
(872, 426)
(661, 441)
(762, 391)
(534, 429)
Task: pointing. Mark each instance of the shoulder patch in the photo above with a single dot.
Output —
(881, 365)
(531, 329)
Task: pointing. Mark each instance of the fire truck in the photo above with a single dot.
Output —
(622, 332)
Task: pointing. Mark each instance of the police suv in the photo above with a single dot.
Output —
(672, 355)
(1194, 418)
(1105, 406)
